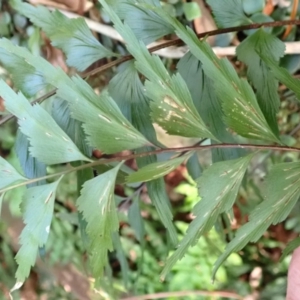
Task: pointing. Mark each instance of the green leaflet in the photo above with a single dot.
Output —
(127, 90)
(193, 166)
(83, 176)
(120, 253)
(8, 174)
(48, 141)
(71, 35)
(136, 221)
(106, 127)
(123, 88)
(62, 116)
(281, 192)
(207, 103)
(258, 72)
(72, 127)
(160, 199)
(229, 13)
(31, 166)
(190, 68)
(172, 106)
(146, 24)
(156, 188)
(37, 207)
(175, 112)
(218, 188)
(157, 169)
(97, 205)
(242, 112)
(158, 195)
(282, 74)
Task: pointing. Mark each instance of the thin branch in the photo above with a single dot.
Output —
(154, 152)
(179, 42)
(173, 52)
(180, 294)
(165, 44)
(199, 143)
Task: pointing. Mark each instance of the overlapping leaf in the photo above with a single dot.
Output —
(207, 103)
(83, 176)
(49, 143)
(123, 88)
(172, 106)
(160, 199)
(282, 74)
(157, 170)
(158, 195)
(62, 116)
(127, 90)
(136, 221)
(146, 24)
(71, 35)
(37, 209)
(8, 174)
(258, 72)
(31, 166)
(107, 129)
(242, 112)
(218, 188)
(72, 127)
(281, 192)
(193, 166)
(229, 13)
(121, 256)
(97, 204)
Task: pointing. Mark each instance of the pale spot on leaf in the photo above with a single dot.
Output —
(104, 118)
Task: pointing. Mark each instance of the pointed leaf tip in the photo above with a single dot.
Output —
(97, 204)
(218, 188)
(281, 192)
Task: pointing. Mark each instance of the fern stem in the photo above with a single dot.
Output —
(154, 152)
